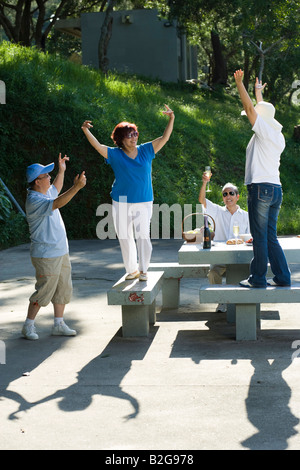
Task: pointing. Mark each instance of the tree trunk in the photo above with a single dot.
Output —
(24, 35)
(39, 42)
(297, 133)
(261, 66)
(220, 74)
(106, 32)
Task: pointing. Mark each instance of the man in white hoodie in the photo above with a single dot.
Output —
(264, 188)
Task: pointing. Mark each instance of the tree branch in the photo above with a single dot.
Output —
(8, 5)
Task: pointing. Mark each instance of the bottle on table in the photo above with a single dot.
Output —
(206, 234)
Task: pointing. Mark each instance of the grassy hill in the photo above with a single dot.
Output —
(47, 99)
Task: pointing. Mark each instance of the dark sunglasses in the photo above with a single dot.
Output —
(231, 193)
(132, 134)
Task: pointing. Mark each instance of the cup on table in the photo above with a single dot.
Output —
(245, 236)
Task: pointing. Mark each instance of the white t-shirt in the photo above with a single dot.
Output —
(225, 220)
(263, 154)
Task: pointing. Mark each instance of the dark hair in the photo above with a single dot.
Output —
(32, 183)
(120, 132)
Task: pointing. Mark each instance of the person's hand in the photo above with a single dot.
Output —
(62, 162)
(168, 111)
(205, 178)
(258, 84)
(86, 125)
(238, 76)
(80, 181)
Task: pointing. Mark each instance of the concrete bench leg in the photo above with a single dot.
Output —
(258, 316)
(135, 320)
(152, 313)
(170, 293)
(234, 274)
(231, 314)
(246, 319)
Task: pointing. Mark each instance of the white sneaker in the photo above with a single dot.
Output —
(143, 277)
(245, 283)
(271, 282)
(29, 332)
(221, 308)
(63, 330)
(131, 276)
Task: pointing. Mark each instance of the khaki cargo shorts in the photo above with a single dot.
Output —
(53, 280)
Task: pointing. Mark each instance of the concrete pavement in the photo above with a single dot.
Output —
(189, 385)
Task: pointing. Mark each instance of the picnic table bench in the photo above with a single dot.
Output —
(172, 275)
(138, 301)
(247, 302)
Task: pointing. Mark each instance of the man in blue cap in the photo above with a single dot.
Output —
(49, 244)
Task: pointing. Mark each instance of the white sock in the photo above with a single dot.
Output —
(58, 321)
(29, 322)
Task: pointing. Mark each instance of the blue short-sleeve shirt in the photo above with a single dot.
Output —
(46, 226)
(133, 177)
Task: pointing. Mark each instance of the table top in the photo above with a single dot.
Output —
(221, 253)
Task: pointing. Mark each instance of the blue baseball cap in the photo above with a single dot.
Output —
(36, 169)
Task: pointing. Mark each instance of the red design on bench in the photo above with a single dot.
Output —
(136, 298)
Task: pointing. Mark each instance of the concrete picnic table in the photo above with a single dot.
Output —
(236, 258)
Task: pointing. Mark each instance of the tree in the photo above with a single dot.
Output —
(106, 32)
(271, 32)
(23, 20)
(240, 25)
(200, 16)
(220, 67)
(29, 22)
(262, 53)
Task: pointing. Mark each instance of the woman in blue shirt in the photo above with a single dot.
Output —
(132, 192)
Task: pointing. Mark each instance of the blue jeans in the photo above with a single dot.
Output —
(264, 202)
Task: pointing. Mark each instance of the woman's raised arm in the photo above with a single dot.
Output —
(102, 149)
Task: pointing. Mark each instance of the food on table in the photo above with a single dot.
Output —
(233, 241)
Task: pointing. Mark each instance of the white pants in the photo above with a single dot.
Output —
(132, 220)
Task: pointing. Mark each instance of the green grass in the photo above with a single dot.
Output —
(49, 98)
